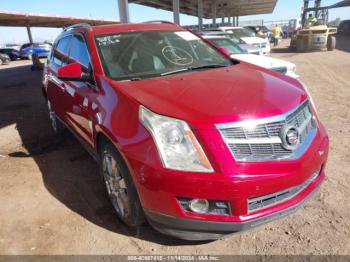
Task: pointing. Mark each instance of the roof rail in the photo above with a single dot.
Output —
(77, 26)
(159, 22)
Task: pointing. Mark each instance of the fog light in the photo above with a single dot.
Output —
(203, 206)
(199, 206)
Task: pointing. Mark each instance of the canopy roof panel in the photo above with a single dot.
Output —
(39, 20)
(225, 8)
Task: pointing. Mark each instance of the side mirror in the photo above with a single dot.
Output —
(73, 72)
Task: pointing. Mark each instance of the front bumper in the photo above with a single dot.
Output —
(191, 229)
(159, 190)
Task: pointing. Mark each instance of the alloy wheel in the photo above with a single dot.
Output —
(52, 116)
(115, 184)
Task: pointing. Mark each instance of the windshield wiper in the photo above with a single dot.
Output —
(207, 66)
(191, 68)
(175, 71)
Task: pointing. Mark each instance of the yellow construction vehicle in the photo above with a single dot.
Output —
(315, 33)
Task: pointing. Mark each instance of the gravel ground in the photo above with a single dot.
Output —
(52, 200)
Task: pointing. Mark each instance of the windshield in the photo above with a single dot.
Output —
(138, 55)
(235, 39)
(242, 32)
(228, 44)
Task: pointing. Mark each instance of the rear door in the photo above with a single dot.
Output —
(56, 88)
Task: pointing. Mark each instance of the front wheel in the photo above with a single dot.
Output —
(120, 187)
(331, 42)
(300, 46)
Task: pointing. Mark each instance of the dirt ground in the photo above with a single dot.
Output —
(52, 200)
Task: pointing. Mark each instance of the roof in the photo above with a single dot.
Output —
(40, 20)
(229, 27)
(225, 8)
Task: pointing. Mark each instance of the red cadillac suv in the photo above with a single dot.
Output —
(196, 143)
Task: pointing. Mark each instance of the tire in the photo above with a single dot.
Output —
(331, 43)
(300, 46)
(57, 127)
(120, 187)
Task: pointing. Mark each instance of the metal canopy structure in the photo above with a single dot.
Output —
(39, 20)
(29, 20)
(224, 8)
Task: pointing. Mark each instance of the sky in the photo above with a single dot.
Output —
(108, 9)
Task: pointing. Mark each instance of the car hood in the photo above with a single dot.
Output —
(204, 98)
(253, 40)
(263, 61)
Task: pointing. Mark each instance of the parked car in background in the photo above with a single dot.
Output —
(249, 49)
(11, 52)
(260, 31)
(344, 27)
(41, 49)
(248, 36)
(199, 144)
(13, 46)
(4, 59)
(232, 49)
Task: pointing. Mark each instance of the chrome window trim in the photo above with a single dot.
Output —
(296, 153)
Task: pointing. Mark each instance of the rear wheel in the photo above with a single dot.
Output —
(331, 42)
(57, 127)
(120, 187)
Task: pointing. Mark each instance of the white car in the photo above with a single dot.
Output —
(248, 36)
(227, 45)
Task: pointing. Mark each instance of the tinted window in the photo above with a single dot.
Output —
(79, 52)
(25, 46)
(61, 51)
(226, 43)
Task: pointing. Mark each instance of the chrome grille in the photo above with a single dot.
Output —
(278, 197)
(259, 140)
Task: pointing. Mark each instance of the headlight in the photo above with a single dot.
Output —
(309, 95)
(177, 145)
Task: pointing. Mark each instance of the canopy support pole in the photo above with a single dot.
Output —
(176, 11)
(200, 15)
(30, 37)
(124, 11)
